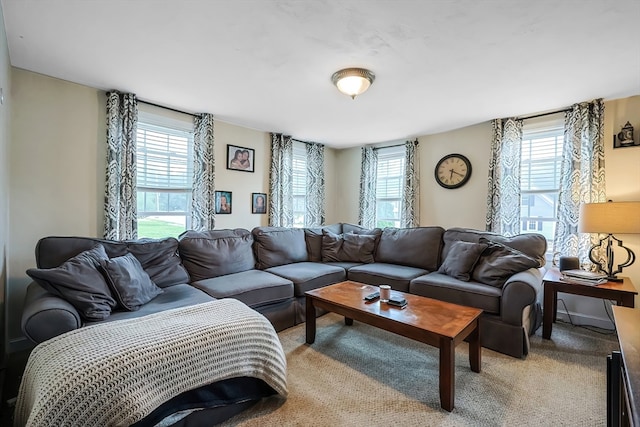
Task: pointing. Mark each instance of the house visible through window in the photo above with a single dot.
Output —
(164, 176)
(299, 183)
(389, 186)
(540, 178)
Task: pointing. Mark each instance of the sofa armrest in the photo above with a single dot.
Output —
(45, 315)
(519, 291)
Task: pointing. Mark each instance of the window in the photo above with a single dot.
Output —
(389, 186)
(540, 178)
(164, 176)
(299, 183)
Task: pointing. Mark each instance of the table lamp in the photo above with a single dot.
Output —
(609, 218)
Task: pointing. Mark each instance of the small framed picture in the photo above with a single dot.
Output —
(223, 202)
(258, 203)
(240, 158)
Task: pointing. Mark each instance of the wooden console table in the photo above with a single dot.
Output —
(623, 293)
(623, 371)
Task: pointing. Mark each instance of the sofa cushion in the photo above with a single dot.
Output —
(214, 253)
(531, 244)
(446, 288)
(130, 284)
(79, 282)
(276, 246)
(313, 239)
(252, 287)
(309, 275)
(415, 247)
(499, 262)
(378, 273)
(461, 259)
(347, 247)
(159, 257)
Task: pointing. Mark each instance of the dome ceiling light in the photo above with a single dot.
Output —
(353, 81)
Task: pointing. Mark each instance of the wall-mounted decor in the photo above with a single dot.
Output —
(258, 203)
(240, 158)
(624, 138)
(223, 202)
(453, 171)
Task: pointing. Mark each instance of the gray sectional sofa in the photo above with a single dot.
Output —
(270, 269)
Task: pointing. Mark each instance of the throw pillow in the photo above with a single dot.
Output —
(499, 262)
(461, 259)
(348, 247)
(78, 281)
(128, 281)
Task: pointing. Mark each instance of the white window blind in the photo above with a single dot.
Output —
(389, 186)
(541, 159)
(164, 150)
(299, 177)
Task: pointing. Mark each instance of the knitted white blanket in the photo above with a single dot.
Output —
(116, 373)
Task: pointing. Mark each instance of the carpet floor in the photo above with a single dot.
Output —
(362, 376)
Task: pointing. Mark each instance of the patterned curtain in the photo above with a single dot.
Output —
(368, 178)
(582, 176)
(120, 201)
(314, 215)
(503, 199)
(280, 181)
(203, 193)
(410, 215)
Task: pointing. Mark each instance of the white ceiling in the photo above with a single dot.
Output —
(267, 64)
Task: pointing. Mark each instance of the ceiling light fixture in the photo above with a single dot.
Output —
(353, 81)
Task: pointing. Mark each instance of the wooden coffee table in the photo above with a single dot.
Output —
(437, 323)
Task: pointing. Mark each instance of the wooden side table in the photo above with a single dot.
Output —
(623, 293)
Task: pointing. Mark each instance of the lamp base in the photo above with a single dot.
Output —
(615, 279)
(609, 271)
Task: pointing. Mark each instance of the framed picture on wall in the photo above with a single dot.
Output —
(240, 158)
(258, 203)
(223, 202)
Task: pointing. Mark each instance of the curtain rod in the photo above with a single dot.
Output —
(564, 110)
(167, 108)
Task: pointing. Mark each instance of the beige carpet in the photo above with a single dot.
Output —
(362, 376)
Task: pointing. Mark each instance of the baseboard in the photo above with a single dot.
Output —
(19, 344)
(586, 320)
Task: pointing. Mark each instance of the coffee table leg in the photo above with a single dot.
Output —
(447, 373)
(548, 309)
(311, 320)
(475, 350)
(348, 321)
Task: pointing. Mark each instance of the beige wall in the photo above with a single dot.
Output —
(5, 124)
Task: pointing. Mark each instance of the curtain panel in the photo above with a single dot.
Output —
(281, 182)
(120, 201)
(582, 177)
(314, 202)
(410, 215)
(503, 197)
(368, 178)
(203, 190)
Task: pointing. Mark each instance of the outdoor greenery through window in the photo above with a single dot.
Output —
(299, 184)
(164, 179)
(389, 186)
(540, 180)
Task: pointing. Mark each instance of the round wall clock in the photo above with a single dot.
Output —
(453, 171)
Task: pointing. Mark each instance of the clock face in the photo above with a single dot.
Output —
(453, 171)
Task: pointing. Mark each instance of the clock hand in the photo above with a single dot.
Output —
(451, 175)
(457, 173)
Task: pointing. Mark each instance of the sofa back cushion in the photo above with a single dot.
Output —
(414, 247)
(531, 244)
(348, 247)
(276, 246)
(213, 253)
(313, 239)
(158, 257)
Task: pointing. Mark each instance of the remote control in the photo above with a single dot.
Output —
(372, 297)
(399, 302)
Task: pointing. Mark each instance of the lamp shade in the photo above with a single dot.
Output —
(353, 81)
(610, 218)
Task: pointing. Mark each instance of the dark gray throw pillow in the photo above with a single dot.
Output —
(79, 281)
(461, 259)
(130, 284)
(499, 262)
(348, 247)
